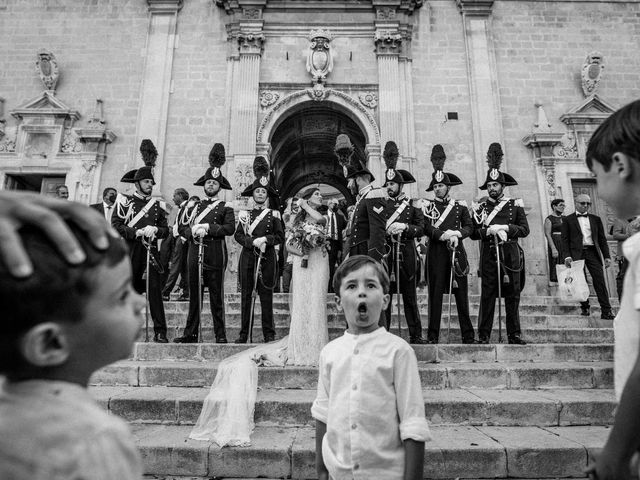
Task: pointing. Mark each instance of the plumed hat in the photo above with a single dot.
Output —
(357, 168)
(216, 161)
(344, 151)
(438, 158)
(494, 160)
(149, 156)
(263, 178)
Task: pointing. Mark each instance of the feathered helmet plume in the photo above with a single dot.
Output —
(216, 161)
(494, 156)
(344, 151)
(263, 179)
(438, 158)
(148, 152)
(494, 161)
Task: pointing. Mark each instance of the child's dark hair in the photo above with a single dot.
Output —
(356, 262)
(56, 291)
(618, 133)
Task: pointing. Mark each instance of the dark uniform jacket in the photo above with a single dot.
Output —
(129, 208)
(511, 213)
(221, 224)
(366, 229)
(414, 219)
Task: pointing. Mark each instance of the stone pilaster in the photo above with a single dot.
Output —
(156, 83)
(483, 81)
(388, 45)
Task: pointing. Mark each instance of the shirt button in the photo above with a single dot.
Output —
(355, 387)
(356, 466)
(353, 427)
(356, 351)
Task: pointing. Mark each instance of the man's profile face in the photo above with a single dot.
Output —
(62, 192)
(110, 197)
(177, 198)
(495, 189)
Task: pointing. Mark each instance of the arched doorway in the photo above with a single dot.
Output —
(302, 148)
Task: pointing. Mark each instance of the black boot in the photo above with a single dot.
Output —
(516, 340)
(186, 339)
(160, 338)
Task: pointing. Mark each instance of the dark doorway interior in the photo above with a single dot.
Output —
(40, 183)
(302, 149)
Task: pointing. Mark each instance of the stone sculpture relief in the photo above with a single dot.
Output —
(368, 99)
(319, 55)
(268, 98)
(591, 73)
(47, 69)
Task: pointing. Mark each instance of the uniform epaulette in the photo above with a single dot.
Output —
(518, 202)
(377, 193)
(275, 213)
(462, 203)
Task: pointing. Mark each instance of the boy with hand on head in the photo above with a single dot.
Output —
(369, 410)
(60, 324)
(613, 156)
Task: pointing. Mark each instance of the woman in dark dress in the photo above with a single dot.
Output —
(552, 227)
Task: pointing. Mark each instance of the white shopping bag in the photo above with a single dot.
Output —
(572, 284)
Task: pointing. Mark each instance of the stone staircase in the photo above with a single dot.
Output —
(496, 411)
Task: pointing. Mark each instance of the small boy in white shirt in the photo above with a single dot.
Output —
(613, 156)
(369, 410)
(60, 324)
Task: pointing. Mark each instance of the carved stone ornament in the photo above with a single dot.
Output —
(568, 147)
(70, 142)
(251, 13)
(591, 73)
(8, 142)
(388, 42)
(319, 55)
(47, 69)
(88, 167)
(250, 43)
(386, 13)
(268, 98)
(550, 177)
(368, 99)
(318, 93)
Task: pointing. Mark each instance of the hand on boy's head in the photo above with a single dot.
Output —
(18, 209)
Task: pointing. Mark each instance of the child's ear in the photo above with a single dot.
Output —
(337, 300)
(622, 165)
(385, 301)
(45, 345)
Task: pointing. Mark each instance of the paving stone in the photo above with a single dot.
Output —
(584, 407)
(592, 438)
(546, 375)
(533, 451)
(518, 407)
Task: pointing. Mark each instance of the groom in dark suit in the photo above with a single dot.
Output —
(583, 239)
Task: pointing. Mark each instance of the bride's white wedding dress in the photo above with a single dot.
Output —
(227, 414)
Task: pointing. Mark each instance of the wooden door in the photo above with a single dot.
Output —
(49, 184)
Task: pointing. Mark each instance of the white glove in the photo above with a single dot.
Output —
(453, 241)
(494, 229)
(139, 233)
(261, 243)
(502, 235)
(397, 227)
(445, 236)
(200, 229)
(149, 231)
(454, 233)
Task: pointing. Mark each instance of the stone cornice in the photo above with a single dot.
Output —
(475, 8)
(164, 6)
(401, 6)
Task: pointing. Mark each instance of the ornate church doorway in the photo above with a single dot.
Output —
(302, 149)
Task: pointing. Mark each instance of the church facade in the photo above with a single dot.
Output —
(83, 82)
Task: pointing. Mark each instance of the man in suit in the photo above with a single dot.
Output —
(335, 225)
(178, 248)
(106, 206)
(583, 239)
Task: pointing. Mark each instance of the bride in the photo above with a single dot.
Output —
(227, 413)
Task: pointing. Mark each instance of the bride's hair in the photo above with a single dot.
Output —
(302, 213)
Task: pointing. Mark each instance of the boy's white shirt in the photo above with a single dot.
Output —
(370, 398)
(626, 326)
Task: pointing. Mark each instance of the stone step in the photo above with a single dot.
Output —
(422, 296)
(424, 353)
(176, 405)
(233, 307)
(444, 375)
(532, 335)
(337, 320)
(456, 451)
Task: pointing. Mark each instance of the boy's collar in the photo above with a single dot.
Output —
(377, 331)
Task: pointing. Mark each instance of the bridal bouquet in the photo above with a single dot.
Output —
(304, 237)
